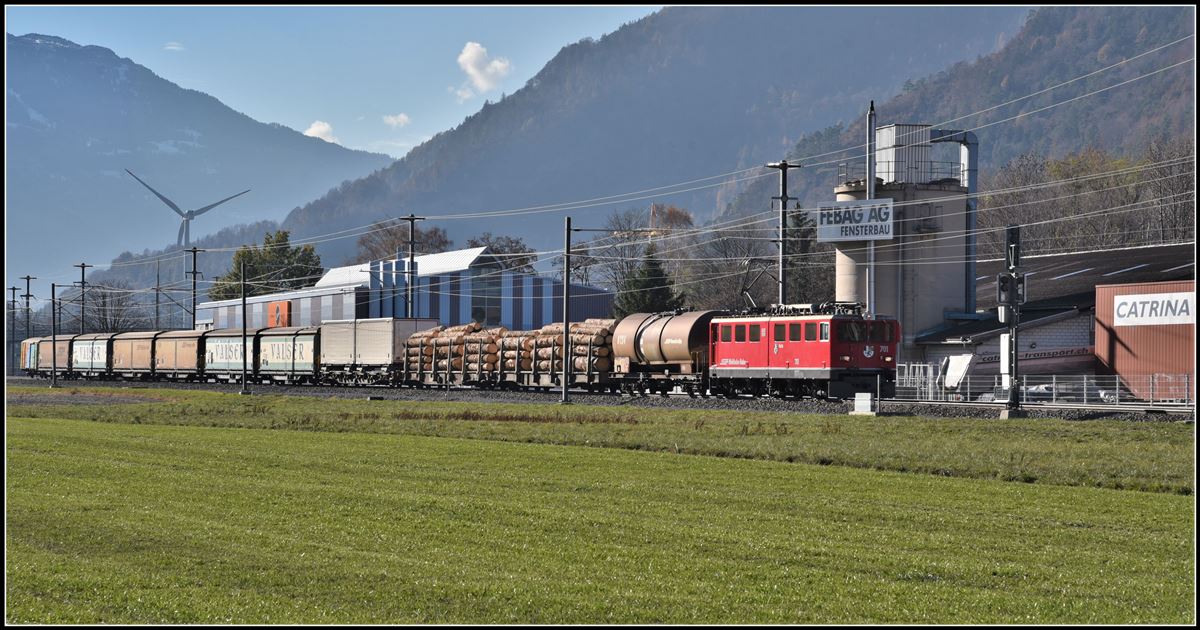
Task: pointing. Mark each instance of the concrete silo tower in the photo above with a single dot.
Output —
(924, 275)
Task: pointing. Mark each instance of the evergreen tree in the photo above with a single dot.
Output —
(274, 267)
(649, 290)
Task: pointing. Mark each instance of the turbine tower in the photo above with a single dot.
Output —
(185, 229)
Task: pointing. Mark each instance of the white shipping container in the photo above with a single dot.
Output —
(376, 342)
(337, 342)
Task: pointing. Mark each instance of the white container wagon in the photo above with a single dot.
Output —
(367, 350)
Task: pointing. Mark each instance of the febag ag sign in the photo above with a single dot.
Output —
(868, 220)
(1154, 309)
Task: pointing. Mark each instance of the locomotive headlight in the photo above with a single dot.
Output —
(887, 359)
(845, 357)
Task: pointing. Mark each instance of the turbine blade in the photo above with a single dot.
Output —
(179, 241)
(157, 194)
(201, 211)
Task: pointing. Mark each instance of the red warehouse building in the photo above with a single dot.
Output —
(1146, 334)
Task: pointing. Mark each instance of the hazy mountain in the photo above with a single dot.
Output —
(78, 116)
(1055, 45)
(684, 93)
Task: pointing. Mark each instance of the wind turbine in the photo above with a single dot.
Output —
(185, 229)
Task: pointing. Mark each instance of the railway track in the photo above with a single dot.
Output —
(672, 401)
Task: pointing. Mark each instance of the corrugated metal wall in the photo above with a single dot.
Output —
(902, 153)
(1134, 352)
(525, 302)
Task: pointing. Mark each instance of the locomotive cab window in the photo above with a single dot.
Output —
(780, 334)
(739, 333)
(810, 331)
(725, 334)
(755, 331)
(881, 332)
(851, 331)
(793, 332)
(824, 331)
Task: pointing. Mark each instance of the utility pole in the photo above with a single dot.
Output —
(193, 273)
(870, 190)
(53, 338)
(157, 289)
(1010, 294)
(245, 390)
(412, 272)
(567, 356)
(12, 331)
(82, 291)
(783, 198)
(27, 311)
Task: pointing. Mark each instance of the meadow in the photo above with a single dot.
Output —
(206, 507)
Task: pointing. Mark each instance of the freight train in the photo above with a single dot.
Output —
(824, 351)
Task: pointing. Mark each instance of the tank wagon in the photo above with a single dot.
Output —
(657, 352)
(827, 350)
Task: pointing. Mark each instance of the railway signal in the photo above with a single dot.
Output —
(1010, 294)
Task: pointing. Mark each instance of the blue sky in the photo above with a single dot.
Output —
(382, 79)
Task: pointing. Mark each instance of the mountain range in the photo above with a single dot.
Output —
(690, 92)
(78, 116)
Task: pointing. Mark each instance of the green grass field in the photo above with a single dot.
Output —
(1098, 453)
(347, 521)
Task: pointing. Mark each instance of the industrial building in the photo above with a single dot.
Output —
(915, 271)
(1061, 332)
(452, 287)
(920, 266)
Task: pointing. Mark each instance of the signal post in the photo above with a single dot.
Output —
(1010, 295)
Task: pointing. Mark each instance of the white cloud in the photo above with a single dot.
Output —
(483, 74)
(174, 46)
(321, 129)
(396, 121)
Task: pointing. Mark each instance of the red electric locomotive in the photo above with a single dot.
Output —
(803, 351)
(825, 351)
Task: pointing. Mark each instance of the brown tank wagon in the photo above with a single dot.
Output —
(658, 345)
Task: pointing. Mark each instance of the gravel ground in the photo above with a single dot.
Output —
(79, 399)
(552, 397)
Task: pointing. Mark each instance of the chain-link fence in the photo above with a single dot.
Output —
(925, 383)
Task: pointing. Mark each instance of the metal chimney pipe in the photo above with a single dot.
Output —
(969, 165)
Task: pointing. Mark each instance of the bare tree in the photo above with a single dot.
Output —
(730, 264)
(513, 253)
(1091, 199)
(1171, 183)
(611, 258)
(387, 238)
(114, 307)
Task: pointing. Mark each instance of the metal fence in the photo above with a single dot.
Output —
(923, 172)
(925, 383)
